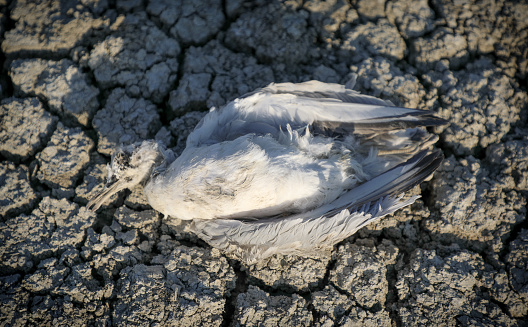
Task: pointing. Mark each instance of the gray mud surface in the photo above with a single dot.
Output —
(79, 78)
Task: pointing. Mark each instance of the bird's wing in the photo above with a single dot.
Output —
(395, 181)
(254, 241)
(328, 108)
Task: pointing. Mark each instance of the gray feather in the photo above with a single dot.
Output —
(254, 241)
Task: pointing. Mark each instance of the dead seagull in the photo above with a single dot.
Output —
(289, 169)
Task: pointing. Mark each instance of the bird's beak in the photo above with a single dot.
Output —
(101, 197)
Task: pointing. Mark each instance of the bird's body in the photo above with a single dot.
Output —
(251, 177)
(286, 162)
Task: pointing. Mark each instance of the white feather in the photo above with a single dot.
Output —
(298, 105)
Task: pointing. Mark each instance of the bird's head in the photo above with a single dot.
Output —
(130, 165)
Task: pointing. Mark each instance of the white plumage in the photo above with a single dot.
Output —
(290, 168)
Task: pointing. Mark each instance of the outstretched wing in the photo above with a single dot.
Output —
(328, 108)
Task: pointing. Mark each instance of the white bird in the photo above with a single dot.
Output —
(289, 168)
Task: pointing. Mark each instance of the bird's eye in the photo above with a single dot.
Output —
(111, 179)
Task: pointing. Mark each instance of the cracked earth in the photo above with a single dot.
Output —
(79, 78)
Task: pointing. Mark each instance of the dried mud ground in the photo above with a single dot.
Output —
(80, 77)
